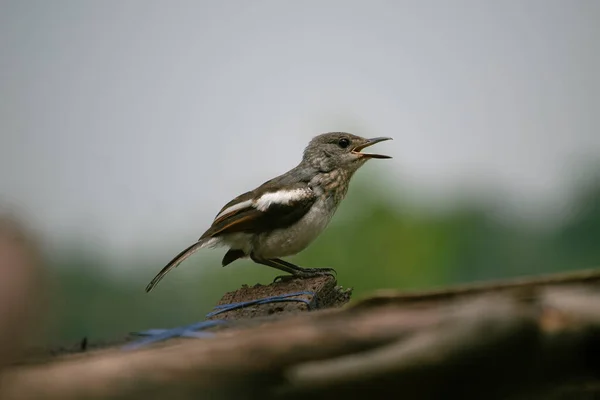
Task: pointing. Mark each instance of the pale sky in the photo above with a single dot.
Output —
(130, 123)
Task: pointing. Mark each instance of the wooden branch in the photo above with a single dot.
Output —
(499, 344)
(524, 285)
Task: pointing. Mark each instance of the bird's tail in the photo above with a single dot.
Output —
(178, 259)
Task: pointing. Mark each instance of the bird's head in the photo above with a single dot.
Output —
(334, 150)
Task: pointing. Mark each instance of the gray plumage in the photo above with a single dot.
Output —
(284, 215)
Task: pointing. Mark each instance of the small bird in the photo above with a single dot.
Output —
(284, 215)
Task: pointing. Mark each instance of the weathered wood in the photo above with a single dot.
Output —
(523, 285)
(326, 295)
(497, 345)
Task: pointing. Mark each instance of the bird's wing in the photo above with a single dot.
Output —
(266, 208)
(277, 203)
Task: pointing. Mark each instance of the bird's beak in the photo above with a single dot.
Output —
(370, 142)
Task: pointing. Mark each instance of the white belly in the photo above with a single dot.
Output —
(239, 241)
(289, 241)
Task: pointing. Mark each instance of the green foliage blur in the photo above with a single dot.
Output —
(374, 242)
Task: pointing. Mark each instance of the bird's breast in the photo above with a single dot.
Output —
(295, 238)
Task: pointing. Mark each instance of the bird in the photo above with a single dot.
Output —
(285, 214)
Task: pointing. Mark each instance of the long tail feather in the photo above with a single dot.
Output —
(178, 259)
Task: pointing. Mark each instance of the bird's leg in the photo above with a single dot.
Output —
(300, 272)
(314, 271)
(294, 270)
(272, 264)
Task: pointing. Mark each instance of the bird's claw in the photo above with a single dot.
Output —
(325, 270)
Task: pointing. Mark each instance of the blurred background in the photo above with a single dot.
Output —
(126, 126)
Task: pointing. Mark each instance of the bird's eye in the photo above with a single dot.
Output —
(343, 142)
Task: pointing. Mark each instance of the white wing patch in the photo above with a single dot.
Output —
(235, 207)
(280, 197)
(264, 202)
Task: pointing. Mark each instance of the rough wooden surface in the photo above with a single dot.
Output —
(524, 285)
(538, 343)
(326, 295)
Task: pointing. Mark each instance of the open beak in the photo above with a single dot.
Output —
(370, 142)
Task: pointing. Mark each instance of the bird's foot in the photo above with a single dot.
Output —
(306, 273)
